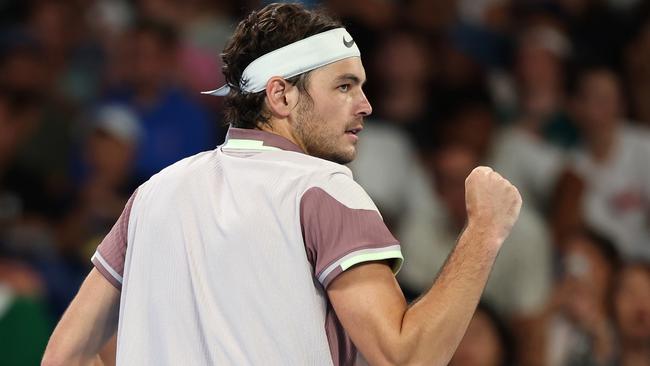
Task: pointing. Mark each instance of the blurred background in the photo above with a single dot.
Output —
(98, 95)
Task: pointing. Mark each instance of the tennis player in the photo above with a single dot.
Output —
(265, 251)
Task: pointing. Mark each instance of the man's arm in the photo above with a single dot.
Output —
(372, 309)
(87, 324)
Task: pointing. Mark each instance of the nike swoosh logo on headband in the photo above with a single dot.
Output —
(349, 43)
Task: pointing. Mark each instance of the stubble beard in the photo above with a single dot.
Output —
(319, 140)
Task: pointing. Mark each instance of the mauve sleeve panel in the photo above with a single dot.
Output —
(337, 237)
(110, 254)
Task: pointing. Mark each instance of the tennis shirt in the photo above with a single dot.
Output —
(223, 258)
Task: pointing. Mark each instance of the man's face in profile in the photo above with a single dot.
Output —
(328, 124)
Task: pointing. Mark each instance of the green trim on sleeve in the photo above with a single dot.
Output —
(368, 257)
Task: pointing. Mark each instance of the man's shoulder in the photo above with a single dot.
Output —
(306, 165)
(327, 168)
(184, 167)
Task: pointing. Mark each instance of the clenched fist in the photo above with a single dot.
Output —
(492, 202)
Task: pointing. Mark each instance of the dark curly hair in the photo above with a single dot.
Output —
(263, 31)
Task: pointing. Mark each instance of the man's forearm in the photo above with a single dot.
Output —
(86, 325)
(433, 326)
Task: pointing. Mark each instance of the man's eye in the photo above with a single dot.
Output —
(344, 87)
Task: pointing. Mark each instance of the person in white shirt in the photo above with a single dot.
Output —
(613, 165)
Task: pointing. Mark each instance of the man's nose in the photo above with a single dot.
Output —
(365, 109)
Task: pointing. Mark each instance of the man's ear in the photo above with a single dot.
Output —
(281, 97)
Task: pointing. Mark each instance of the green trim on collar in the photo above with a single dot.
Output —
(247, 145)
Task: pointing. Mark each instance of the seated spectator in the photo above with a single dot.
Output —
(579, 331)
(611, 167)
(487, 341)
(631, 305)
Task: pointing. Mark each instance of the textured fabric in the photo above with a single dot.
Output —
(109, 257)
(216, 270)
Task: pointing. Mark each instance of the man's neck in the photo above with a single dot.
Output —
(283, 129)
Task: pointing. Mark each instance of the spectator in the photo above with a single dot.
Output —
(632, 314)
(612, 166)
(579, 331)
(529, 152)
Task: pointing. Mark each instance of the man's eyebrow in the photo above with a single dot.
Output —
(353, 79)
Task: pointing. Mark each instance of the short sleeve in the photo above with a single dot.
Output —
(110, 254)
(342, 227)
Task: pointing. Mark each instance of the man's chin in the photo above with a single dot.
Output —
(346, 157)
(340, 157)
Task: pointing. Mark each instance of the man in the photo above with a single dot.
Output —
(265, 251)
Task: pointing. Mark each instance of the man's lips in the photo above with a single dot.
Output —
(354, 130)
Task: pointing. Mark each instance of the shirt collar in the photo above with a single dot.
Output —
(258, 139)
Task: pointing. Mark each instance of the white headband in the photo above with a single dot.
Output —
(294, 59)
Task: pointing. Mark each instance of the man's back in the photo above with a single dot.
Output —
(216, 269)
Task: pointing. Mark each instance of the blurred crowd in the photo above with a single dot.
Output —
(98, 95)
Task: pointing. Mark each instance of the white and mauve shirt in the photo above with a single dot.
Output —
(224, 257)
